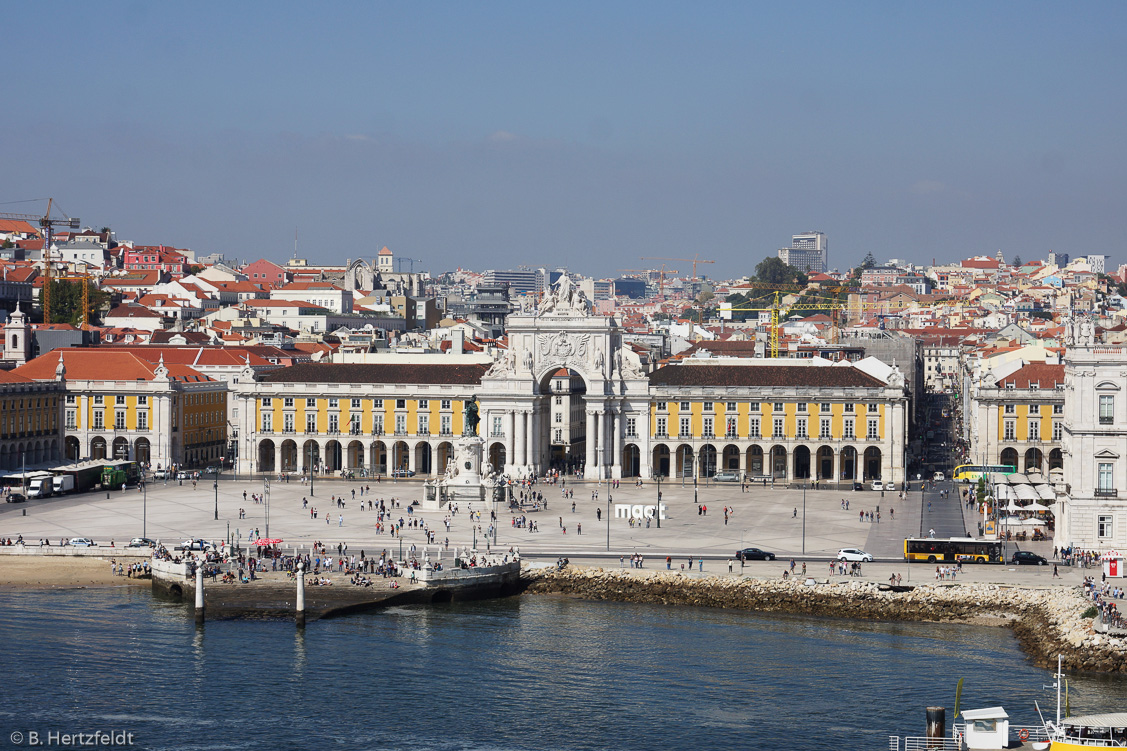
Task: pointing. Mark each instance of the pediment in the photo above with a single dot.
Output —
(1106, 454)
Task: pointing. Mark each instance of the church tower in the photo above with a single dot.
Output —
(17, 342)
(385, 261)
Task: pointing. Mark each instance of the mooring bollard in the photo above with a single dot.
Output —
(199, 593)
(936, 722)
(300, 596)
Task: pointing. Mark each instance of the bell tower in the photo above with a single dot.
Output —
(17, 342)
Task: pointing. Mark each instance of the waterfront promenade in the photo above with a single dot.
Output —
(771, 519)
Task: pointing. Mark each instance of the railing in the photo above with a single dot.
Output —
(923, 743)
(1106, 493)
(378, 430)
(1106, 420)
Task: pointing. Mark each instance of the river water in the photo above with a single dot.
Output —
(522, 673)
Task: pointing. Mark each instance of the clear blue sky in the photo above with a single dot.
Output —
(487, 135)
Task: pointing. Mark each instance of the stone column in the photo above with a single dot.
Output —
(645, 447)
(533, 438)
(521, 438)
(510, 438)
(277, 457)
(601, 449)
(590, 471)
(616, 460)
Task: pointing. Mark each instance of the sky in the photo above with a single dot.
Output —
(581, 134)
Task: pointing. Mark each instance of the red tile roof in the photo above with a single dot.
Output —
(1043, 375)
(763, 375)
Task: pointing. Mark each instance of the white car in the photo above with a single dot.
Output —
(81, 542)
(938, 477)
(854, 554)
(195, 545)
(877, 485)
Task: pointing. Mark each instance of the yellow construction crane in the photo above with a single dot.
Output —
(694, 261)
(46, 224)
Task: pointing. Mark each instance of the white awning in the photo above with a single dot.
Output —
(1026, 493)
(1045, 492)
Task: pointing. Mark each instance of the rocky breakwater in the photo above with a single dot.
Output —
(1047, 622)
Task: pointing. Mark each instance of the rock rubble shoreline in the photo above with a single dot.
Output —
(1046, 622)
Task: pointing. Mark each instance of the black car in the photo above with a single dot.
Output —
(858, 486)
(1028, 558)
(16, 497)
(754, 554)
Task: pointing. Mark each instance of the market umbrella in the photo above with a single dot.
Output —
(268, 541)
(1033, 522)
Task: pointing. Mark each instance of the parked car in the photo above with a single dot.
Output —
(141, 542)
(401, 472)
(727, 475)
(938, 477)
(1028, 558)
(878, 485)
(81, 542)
(16, 497)
(194, 545)
(754, 554)
(162, 474)
(213, 470)
(854, 554)
(858, 486)
(183, 475)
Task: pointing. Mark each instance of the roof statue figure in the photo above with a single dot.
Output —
(472, 418)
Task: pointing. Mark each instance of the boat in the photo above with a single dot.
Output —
(989, 730)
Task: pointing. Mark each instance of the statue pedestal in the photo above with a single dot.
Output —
(465, 483)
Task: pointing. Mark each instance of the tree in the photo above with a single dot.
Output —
(868, 261)
(1016, 262)
(772, 270)
(705, 296)
(195, 268)
(66, 302)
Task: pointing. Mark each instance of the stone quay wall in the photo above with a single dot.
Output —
(1047, 622)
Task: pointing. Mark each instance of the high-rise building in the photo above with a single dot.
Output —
(522, 281)
(808, 252)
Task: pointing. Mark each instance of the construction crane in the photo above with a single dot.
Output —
(661, 278)
(400, 260)
(46, 224)
(694, 261)
(85, 279)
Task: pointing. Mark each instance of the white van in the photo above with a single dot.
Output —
(40, 487)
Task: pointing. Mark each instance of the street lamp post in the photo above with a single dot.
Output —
(804, 519)
(266, 500)
(144, 508)
(215, 475)
(658, 514)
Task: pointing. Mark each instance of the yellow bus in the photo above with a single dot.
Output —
(953, 549)
(971, 472)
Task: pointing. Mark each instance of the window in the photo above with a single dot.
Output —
(874, 408)
(401, 404)
(1104, 524)
(1058, 409)
(1034, 430)
(446, 424)
(1010, 409)
(143, 401)
(71, 399)
(662, 406)
(824, 407)
(424, 404)
(356, 404)
(731, 430)
(824, 428)
(778, 406)
(684, 426)
(559, 436)
(119, 420)
(334, 423)
(377, 404)
(730, 406)
(400, 424)
(119, 400)
(661, 426)
(267, 422)
(631, 427)
(287, 422)
(753, 407)
(847, 428)
(71, 420)
(1105, 476)
(1009, 431)
(334, 404)
(99, 399)
(267, 403)
(377, 424)
(445, 404)
(311, 404)
(708, 427)
(848, 407)
(708, 406)
(1107, 409)
(142, 421)
(802, 427)
(311, 423)
(874, 426)
(424, 425)
(685, 406)
(558, 417)
(559, 400)
(1058, 430)
(777, 428)
(498, 427)
(802, 406)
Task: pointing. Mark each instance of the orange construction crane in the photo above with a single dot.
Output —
(694, 261)
(46, 224)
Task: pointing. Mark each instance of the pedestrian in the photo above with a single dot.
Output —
(795, 514)
(729, 565)
(1056, 574)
